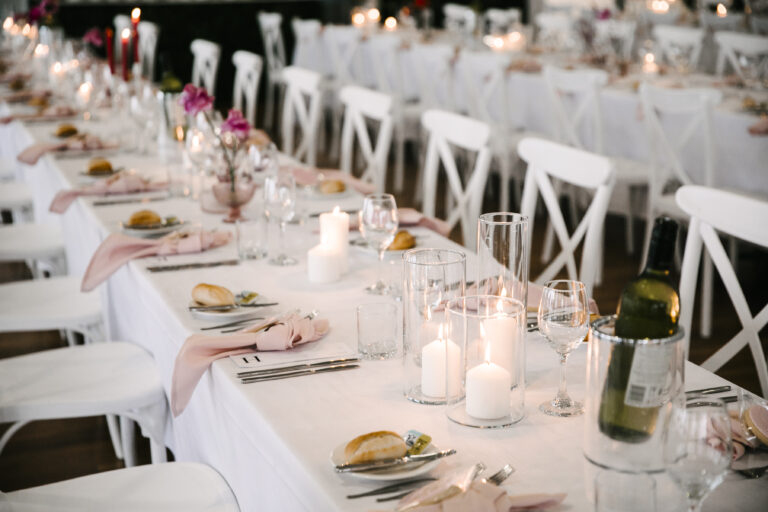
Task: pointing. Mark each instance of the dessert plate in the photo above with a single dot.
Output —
(169, 224)
(234, 314)
(399, 473)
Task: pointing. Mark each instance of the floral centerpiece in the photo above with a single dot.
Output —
(235, 185)
(42, 13)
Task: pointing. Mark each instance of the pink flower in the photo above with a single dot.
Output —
(604, 14)
(36, 13)
(195, 100)
(236, 124)
(93, 36)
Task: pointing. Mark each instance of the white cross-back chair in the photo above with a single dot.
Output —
(446, 129)
(205, 63)
(41, 246)
(547, 160)
(433, 67)
(308, 51)
(618, 33)
(303, 104)
(149, 33)
(553, 27)
(712, 211)
(501, 21)
(274, 51)
(694, 107)
(459, 19)
(362, 105)
(187, 486)
(735, 47)
(675, 42)
(245, 95)
(110, 378)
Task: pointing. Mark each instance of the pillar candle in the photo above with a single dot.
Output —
(440, 359)
(125, 35)
(488, 391)
(135, 17)
(334, 233)
(323, 264)
(501, 334)
(108, 33)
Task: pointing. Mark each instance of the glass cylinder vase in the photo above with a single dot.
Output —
(486, 389)
(502, 250)
(632, 387)
(431, 278)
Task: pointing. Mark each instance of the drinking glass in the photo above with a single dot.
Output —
(279, 205)
(564, 321)
(378, 225)
(377, 330)
(697, 447)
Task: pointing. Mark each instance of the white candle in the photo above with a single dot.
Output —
(323, 264)
(84, 93)
(501, 334)
(439, 359)
(334, 233)
(649, 64)
(488, 387)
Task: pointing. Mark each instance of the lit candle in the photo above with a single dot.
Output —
(323, 264)
(660, 6)
(8, 23)
(358, 19)
(108, 33)
(488, 387)
(390, 24)
(439, 359)
(649, 64)
(135, 17)
(500, 334)
(334, 233)
(57, 74)
(84, 93)
(41, 50)
(722, 12)
(125, 35)
(373, 15)
(27, 30)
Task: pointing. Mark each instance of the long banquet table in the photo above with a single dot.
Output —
(272, 440)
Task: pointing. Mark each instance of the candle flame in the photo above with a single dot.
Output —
(440, 333)
(135, 14)
(428, 313)
(26, 30)
(57, 67)
(85, 88)
(8, 23)
(500, 306)
(180, 133)
(722, 12)
(649, 58)
(336, 209)
(41, 50)
(125, 34)
(390, 23)
(358, 18)
(659, 6)
(374, 14)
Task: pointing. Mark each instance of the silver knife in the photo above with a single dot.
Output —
(167, 268)
(130, 201)
(301, 366)
(231, 307)
(299, 373)
(389, 463)
(709, 391)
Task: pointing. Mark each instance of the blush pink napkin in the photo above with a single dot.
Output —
(484, 497)
(33, 153)
(199, 350)
(122, 183)
(410, 217)
(118, 249)
(307, 176)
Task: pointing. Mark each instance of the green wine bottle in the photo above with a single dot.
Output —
(649, 308)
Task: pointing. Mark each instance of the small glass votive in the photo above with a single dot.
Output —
(377, 330)
(251, 238)
(486, 389)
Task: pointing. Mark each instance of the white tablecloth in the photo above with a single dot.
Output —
(272, 440)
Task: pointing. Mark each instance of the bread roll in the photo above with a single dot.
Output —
(403, 240)
(756, 418)
(212, 295)
(332, 187)
(66, 130)
(38, 101)
(375, 446)
(99, 166)
(144, 218)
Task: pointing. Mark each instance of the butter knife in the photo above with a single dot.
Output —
(130, 201)
(390, 463)
(299, 373)
(301, 366)
(232, 307)
(168, 268)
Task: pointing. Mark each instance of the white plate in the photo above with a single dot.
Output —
(151, 232)
(314, 194)
(233, 315)
(400, 473)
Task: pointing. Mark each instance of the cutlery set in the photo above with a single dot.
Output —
(298, 370)
(133, 200)
(187, 266)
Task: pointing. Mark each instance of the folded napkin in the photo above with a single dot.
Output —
(760, 127)
(50, 113)
(308, 176)
(485, 497)
(121, 183)
(118, 249)
(34, 152)
(410, 217)
(200, 350)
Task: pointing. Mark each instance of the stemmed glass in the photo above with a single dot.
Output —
(697, 447)
(378, 225)
(564, 321)
(279, 204)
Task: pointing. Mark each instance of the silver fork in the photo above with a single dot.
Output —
(496, 479)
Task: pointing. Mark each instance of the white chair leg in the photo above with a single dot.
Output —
(629, 222)
(157, 452)
(707, 285)
(127, 428)
(9, 433)
(338, 112)
(269, 107)
(71, 341)
(733, 247)
(399, 159)
(504, 179)
(114, 435)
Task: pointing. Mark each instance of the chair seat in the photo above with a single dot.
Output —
(15, 195)
(631, 172)
(43, 304)
(85, 380)
(176, 486)
(30, 241)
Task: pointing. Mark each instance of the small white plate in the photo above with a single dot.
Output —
(232, 315)
(399, 473)
(151, 231)
(315, 194)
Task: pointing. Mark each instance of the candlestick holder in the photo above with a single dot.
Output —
(431, 278)
(502, 250)
(487, 388)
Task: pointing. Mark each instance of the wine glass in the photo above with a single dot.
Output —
(564, 320)
(378, 225)
(279, 204)
(697, 447)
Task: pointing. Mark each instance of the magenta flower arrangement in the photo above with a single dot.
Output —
(196, 100)
(93, 37)
(42, 12)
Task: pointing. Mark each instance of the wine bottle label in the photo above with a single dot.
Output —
(650, 378)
